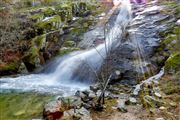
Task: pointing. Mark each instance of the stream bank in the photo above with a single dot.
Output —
(147, 54)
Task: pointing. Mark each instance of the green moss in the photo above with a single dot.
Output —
(9, 67)
(109, 103)
(50, 11)
(173, 5)
(34, 51)
(37, 17)
(81, 25)
(169, 38)
(39, 41)
(22, 106)
(173, 62)
(69, 43)
(79, 9)
(31, 55)
(66, 50)
(65, 11)
(170, 84)
(51, 24)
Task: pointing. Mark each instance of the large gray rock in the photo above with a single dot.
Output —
(79, 114)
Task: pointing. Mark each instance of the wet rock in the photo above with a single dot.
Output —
(22, 69)
(126, 50)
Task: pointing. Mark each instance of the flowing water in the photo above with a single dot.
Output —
(154, 78)
(75, 71)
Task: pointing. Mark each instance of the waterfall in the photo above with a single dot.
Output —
(75, 71)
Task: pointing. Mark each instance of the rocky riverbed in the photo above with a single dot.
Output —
(137, 58)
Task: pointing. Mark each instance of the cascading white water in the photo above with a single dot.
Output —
(72, 68)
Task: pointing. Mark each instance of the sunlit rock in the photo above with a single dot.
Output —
(117, 2)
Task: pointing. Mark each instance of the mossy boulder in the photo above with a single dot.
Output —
(66, 50)
(48, 12)
(50, 23)
(65, 11)
(7, 68)
(173, 63)
(39, 41)
(37, 17)
(31, 59)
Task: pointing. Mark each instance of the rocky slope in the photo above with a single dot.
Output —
(33, 33)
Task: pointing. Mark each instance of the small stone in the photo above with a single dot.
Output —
(132, 100)
(173, 104)
(160, 119)
(137, 89)
(117, 72)
(178, 22)
(114, 108)
(162, 108)
(157, 94)
(152, 110)
(92, 95)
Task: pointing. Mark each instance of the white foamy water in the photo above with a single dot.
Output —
(74, 72)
